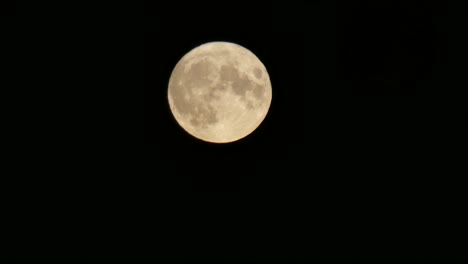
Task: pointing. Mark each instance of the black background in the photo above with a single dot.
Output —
(357, 157)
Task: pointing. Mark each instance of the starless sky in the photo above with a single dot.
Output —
(354, 159)
(348, 143)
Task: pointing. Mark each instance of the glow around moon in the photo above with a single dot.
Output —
(219, 92)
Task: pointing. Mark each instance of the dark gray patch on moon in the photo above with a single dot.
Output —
(249, 104)
(258, 73)
(258, 91)
(203, 115)
(195, 122)
(239, 83)
(228, 73)
(199, 72)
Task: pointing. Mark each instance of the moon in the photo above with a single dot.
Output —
(219, 92)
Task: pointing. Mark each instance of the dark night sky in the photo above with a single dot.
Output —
(354, 159)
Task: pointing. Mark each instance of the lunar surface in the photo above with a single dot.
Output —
(219, 92)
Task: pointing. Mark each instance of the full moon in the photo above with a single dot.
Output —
(219, 92)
